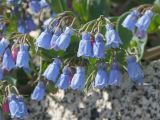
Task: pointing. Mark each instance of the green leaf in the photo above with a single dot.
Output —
(155, 24)
(124, 34)
(139, 49)
(97, 8)
(80, 8)
(10, 80)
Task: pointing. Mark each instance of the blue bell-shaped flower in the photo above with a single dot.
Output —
(115, 77)
(35, 6)
(130, 21)
(55, 37)
(22, 60)
(112, 37)
(22, 28)
(64, 39)
(134, 70)
(44, 39)
(85, 48)
(64, 80)
(98, 46)
(3, 45)
(8, 62)
(52, 70)
(78, 79)
(39, 92)
(144, 21)
(13, 106)
(22, 108)
(30, 23)
(101, 79)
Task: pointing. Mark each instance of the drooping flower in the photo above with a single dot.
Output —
(143, 24)
(39, 92)
(52, 70)
(5, 106)
(130, 21)
(98, 46)
(22, 60)
(3, 45)
(101, 78)
(30, 23)
(13, 106)
(64, 79)
(112, 37)
(8, 62)
(44, 39)
(64, 39)
(35, 6)
(85, 48)
(144, 21)
(134, 70)
(22, 28)
(78, 79)
(55, 36)
(115, 77)
(14, 53)
(22, 108)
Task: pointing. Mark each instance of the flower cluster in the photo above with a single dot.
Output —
(140, 24)
(97, 51)
(13, 59)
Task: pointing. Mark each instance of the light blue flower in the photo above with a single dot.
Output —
(64, 80)
(112, 37)
(78, 79)
(35, 6)
(115, 76)
(85, 48)
(64, 39)
(13, 105)
(101, 79)
(52, 70)
(55, 36)
(98, 46)
(22, 108)
(3, 45)
(130, 21)
(44, 39)
(39, 92)
(144, 21)
(22, 60)
(8, 62)
(134, 70)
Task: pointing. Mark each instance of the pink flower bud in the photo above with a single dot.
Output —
(14, 53)
(5, 106)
